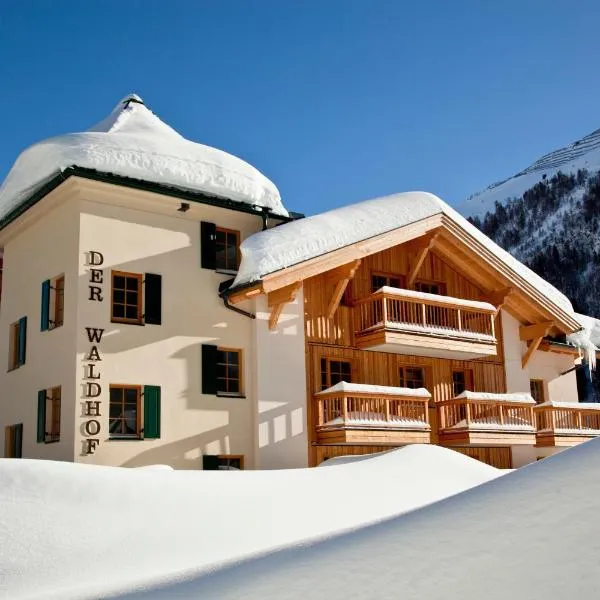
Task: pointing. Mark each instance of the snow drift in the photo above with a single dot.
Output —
(134, 142)
(81, 531)
(531, 534)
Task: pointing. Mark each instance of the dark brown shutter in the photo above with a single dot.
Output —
(210, 462)
(209, 369)
(153, 299)
(208, 245)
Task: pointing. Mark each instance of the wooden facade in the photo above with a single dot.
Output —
(333, 338)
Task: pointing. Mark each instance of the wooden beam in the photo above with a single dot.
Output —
(278, 299)
(533, 346)
(341, 277)
(245, 294)
(532, 332)
(498, 297)
(424, 248)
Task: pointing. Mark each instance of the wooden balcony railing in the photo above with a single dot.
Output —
(568, 418)
(479, 417)
(365, 407)
(410, 311)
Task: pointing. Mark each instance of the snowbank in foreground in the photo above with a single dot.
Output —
(531, 534)
(78, 531)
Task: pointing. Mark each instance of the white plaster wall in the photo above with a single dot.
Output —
(168, 355)
(523, 455)
(281, 387)
(543, 365)
(44, 249)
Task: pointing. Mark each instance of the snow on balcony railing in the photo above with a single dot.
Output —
(484, 412)
(568, 418)
(360, 406)
(430, 314)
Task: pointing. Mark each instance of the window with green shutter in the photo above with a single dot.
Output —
(151, 411)
(53, 303)
(17, 344)
(134, 412)
(48, 417)
(136, 298)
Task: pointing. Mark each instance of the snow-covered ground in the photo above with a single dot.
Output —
(81, 531)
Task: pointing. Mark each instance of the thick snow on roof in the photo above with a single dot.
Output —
(384, 390)
(587, 339)
(522, 398)
(530, 534)
(134, 142)
(80, 531)
(292, 243)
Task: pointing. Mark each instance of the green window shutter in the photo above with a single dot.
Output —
(151, 412)
(208, 245)
(22, 348)
(18, 441)
(209, 369)
(41, 417)
(210, 462)
(153, 299)
(45, 322)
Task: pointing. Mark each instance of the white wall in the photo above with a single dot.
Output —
(168, 355)
(547, 366)
(43, 250)
(281, 387)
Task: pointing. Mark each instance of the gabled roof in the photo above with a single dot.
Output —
(132, 142)
(276, 250)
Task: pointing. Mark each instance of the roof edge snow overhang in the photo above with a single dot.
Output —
(139, 184)
(440, 221)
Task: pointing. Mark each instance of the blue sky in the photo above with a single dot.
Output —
(335, 100)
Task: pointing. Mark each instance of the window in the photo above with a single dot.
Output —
(223, 462)
(461, 380)
(379, 280)
(48, 417)
(430, 287)
(13, 441)
(222, 371)
(219, 248)
(131, 292)
(537, 390)
(17, 344)
(134, 412)
(53, 303)
(412, 377)
(227, 250)
(334, 371)
(229, 377)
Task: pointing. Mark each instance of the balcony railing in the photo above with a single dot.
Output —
(416, 312)
(478, 417)
(359, 407)
(561, 423)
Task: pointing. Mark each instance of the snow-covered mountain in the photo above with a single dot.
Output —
(582, 154)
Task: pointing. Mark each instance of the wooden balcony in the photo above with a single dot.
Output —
(487, 420)
(409, 322)
(365, 414)
(566, 423)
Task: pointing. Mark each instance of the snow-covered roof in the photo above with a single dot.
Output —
(522, 398)
(133, 142)
(384, 390)
(579, 405)
(291, 243)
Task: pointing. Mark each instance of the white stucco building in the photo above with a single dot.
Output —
(127, 342)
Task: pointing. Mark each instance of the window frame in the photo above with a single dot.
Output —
(542, 389)
(239, 457)
(124, 436)
(58, 286)
(442, 286)
(127, 275)
(388, 276)
(227, 231)
(328, 360)
(240, 380)
(468, 381)
(403, 380)
(13, 350)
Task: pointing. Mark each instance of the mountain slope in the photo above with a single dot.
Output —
(581, 154)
